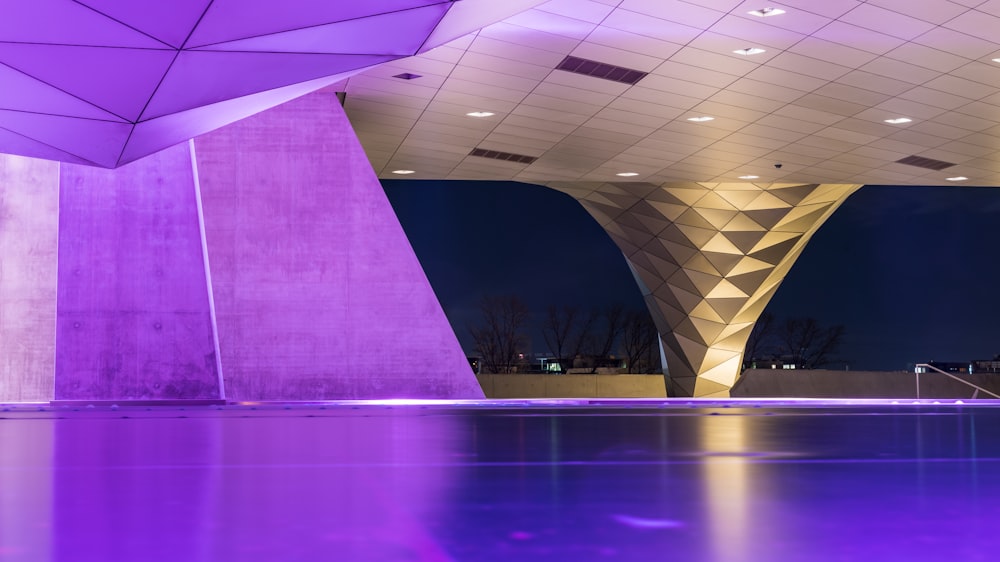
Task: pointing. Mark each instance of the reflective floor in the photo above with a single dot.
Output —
(516, 481)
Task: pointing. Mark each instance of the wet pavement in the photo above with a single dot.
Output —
(502, 481)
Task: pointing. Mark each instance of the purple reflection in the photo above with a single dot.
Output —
(533, 483)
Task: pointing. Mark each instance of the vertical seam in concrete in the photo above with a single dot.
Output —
(208, 270)
(55, 325)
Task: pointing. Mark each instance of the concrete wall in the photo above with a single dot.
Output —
(573, 386)
(290, 276)
(779, 383)
(29, 219)
(318, 293)
(133, 307)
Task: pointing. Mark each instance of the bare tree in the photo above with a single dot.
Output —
(502, 332)
(761, 341)
(601, 344)
(638, 338)
(811, 344)
(565, 331)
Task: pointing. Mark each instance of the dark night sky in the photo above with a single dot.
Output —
(909, 271)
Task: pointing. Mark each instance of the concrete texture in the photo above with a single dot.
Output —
(573, 386)
(133, 304)
(318, 294)
(29, 218)
(779, 383)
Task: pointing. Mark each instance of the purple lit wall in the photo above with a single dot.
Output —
(133, 308)
(28, 225)
(318, 293)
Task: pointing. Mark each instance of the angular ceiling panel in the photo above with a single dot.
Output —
(21, 92)
(105, 139)
(470, 15)
(163, 132)
(29, 147)
(171, 22)
(230, 20)
(117, 80)
(398, 33)
(200, 78)
(69, 23)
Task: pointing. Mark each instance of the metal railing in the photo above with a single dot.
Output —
(916, 371)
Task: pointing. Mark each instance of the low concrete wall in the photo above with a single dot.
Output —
(573, 386)
(766, 383)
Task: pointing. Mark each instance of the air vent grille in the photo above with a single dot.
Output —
(407, 76)
(921, 162)
(601, 70)
(508, 156)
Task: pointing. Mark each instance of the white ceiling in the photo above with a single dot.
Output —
(815, 101)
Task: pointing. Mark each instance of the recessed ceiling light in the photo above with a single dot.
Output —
(481, 114)
(701, 119)
(403, 172)
(767, 12)
(898, 120)
(996, 60)
(749, 177)
(749, 51)
(627, 174)
(957, 178)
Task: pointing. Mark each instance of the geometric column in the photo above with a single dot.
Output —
(29, 217)
(318, 294)
(133, 314)
(708, 257)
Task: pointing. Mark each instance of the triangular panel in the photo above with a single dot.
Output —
(21, 92)
(117, 80)
(200, 78)
(795, 194)
(14, 143)
(159, 133)
(408, 30)
(37, 22)
(230, 20)
(96, 141)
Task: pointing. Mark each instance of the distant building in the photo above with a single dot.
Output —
(969, 367)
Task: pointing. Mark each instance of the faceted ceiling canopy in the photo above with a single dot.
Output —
(104, 82)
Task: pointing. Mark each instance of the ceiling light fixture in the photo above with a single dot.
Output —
(749, 177)
(481, 114)
(957, 178)
(701, 119)
(627, 174)
(996, 60)
(766, 12)
(898, 120)
(403, 172)
(749, 51)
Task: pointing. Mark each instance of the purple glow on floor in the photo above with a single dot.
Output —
(625, 480)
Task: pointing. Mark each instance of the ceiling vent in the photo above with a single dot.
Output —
(508, 156)
(407, 76)
(921, 162)
(596, 69)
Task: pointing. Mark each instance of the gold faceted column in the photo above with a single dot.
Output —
(708, 257)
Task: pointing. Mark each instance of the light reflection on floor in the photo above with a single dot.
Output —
(572, 480)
